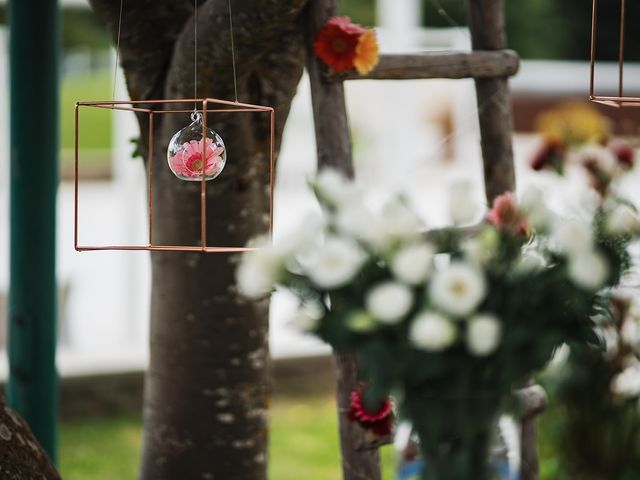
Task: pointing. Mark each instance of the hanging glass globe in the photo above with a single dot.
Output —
(185, 152)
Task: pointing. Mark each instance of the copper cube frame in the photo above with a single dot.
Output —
(619, 100)
(138, 106)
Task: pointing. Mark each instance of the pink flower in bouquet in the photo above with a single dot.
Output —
(507, 216)
(188, 162)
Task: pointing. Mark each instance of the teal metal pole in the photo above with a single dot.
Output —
(33, 82)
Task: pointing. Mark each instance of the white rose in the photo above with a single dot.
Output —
(588, 270)
(458, 289)
(413, 264)
(335, 263)
(308, 316)
(622, 220)
(388, 302)
(538, 215)
(611, 339)
(334, 187)
(475, 252)
(531, 197)
(572, 237)
(463, 209)
(356, 220)
(259, 270)
(484, 333)
(627, 382)
(432, 332)
(303, 237)
(399, 222)
(630, 333)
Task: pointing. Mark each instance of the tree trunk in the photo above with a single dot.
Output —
(21, 456)
(207, 388)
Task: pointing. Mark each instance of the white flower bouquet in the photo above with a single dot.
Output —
(596, 394)
(452, 320)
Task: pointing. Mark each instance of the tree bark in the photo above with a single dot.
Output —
(207, 388)
(21, 456)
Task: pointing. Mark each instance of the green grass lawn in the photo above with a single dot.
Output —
(95, 123)
(303, 444)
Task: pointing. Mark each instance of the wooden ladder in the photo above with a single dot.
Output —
(490, 65)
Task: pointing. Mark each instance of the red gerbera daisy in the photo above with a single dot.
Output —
(336, 43)
(379, 420)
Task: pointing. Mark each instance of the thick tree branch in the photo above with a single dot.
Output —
(147, 38)
(21, 456)
(268, 86)
(258, 26)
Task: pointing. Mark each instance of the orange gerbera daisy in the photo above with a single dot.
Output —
(336, 43)
(366, 52)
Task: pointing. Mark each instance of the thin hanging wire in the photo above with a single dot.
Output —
(115, 69)
(465, 124)
(195, 54)
(233, 54)
(444, 13)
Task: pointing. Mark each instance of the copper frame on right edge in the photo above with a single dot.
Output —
(619, 100)
(156, 107)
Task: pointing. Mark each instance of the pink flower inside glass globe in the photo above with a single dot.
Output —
(189, 152)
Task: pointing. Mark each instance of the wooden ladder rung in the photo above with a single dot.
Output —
(449, 64)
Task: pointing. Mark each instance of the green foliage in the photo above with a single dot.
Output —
(360, 11)
(597, 436)
(83, 29)
(550, 29)
(135, 142)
